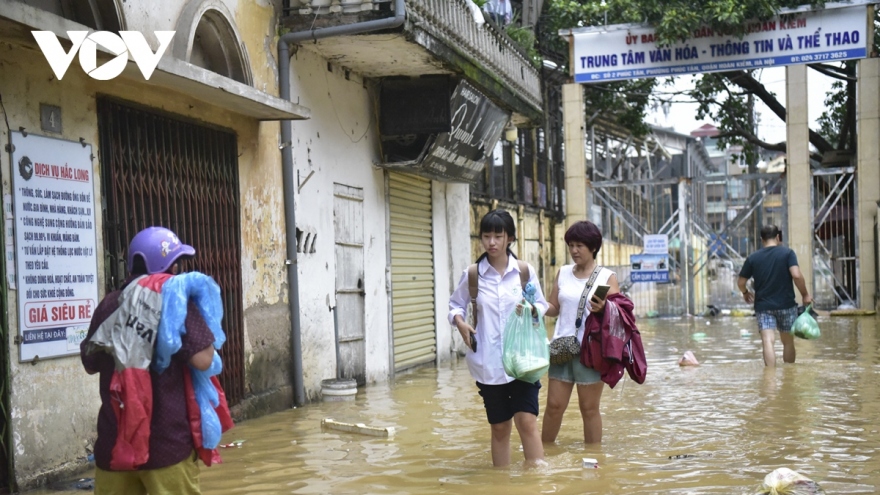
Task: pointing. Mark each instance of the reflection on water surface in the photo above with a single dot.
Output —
(714, 429)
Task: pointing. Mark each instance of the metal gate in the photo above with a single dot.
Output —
(163, 170)
(713, 222)
(412, 270)
(627, 210)
(835, 238)
(348, 226)
(730, 212)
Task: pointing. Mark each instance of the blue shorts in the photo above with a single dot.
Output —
(574, 372)
(777, 319)
(503, 401)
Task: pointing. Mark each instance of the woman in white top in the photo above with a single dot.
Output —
(507, 401)
(584, 240)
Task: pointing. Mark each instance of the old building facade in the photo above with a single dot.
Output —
(266, 142)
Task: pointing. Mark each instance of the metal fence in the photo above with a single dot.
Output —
(713, 223)
(835, 238)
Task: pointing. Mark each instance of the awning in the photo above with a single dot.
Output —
(217, 90)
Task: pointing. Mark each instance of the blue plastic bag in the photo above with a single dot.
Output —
(208, 399)
(205, 293)
(529, 293)
(176, 293)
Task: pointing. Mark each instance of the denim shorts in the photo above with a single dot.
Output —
(777, 319)
(574, 372)
(503, 401)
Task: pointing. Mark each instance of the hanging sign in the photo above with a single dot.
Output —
(611, 53)
(649, 268)
(461, 154)
(656, 244)
(56, 256)
(457, 155)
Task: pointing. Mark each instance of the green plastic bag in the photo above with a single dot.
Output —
(805, 326)
(526, 354)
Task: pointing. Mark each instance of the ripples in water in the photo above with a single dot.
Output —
(714, 429)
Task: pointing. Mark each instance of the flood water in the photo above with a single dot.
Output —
(714, 429)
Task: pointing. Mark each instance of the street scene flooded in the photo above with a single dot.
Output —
(314, 177)
(717, 428)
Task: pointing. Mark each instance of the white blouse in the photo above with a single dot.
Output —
(570, 290)
(497, 298)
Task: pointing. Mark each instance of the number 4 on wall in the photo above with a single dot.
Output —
(50, 118)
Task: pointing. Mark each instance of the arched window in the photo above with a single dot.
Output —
(215, 47)
(100, 15)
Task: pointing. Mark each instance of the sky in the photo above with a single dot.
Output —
(682, 116)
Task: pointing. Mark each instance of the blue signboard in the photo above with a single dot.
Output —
(649, 268)
(610, 53)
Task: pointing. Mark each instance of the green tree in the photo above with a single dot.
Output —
(725, 97)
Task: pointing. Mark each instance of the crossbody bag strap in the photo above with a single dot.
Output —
(582, 304)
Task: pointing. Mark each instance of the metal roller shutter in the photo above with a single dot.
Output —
(412, 271)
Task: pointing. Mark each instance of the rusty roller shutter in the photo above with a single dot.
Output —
(157, 169)
(412, 271)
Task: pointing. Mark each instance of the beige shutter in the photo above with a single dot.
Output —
(412, 271)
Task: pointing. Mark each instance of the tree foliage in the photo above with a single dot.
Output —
(725, 97)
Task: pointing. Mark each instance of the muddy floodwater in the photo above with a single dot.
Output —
(714, 429)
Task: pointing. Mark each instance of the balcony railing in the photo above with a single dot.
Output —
(452, 22)
(449, 23)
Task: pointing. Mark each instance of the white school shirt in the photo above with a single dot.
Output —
(497, 298)
(571, 289)
(501, 8)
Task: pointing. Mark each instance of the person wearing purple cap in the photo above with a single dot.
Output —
(162, 460)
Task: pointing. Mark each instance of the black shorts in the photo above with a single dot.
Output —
(503, 401)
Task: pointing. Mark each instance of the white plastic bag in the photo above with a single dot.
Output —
(784, 481)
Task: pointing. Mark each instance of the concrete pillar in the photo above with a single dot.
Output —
(797, 177)
(868, 174)
(575, 155)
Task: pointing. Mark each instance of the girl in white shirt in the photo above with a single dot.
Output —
(507, 401)
(584, 240)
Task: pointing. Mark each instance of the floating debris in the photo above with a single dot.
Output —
(688, 359)
(234, 443)
(360, 428)
(85, 484)
(742, 312)
(784, 481)
(853, 312)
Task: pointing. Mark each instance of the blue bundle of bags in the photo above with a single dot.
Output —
(205, 293)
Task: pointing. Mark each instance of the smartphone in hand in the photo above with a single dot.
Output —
(601, 291)
(474, 342)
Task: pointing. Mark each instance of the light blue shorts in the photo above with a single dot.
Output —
(574, 372)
